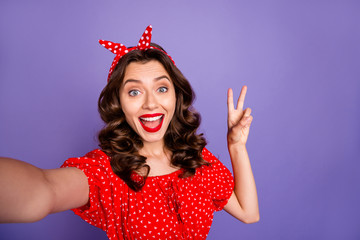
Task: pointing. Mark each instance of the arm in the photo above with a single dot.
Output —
(28, 193)
(243, 203)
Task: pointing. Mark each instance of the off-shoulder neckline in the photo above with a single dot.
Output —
(167, 174)
(171, 174)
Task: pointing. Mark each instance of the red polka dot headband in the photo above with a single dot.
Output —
(120, 50)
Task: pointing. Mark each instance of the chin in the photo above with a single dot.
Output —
(152, 137)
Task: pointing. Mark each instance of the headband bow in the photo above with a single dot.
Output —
(120, 50)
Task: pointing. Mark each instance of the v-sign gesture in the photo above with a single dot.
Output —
(239, 120)
(243, 203)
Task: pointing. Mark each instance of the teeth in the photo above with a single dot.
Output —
(151, 119)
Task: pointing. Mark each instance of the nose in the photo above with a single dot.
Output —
(150, 101)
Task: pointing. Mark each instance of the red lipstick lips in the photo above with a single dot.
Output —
(151, 119)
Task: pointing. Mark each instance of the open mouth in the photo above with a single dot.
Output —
(151, 122)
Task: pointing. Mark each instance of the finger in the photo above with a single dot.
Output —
(230, 100)
(241, 100)
(246, 121)
(247, 112)
(249, 121)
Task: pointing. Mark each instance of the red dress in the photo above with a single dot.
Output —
(167, 207)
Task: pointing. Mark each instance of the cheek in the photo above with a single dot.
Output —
(171, 103)
(129, 109)
(173, 100)
(130, 118)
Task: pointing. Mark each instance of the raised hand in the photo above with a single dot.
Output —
(239, 120)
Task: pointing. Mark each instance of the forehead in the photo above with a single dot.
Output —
(144, 71)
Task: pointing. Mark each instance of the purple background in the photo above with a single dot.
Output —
(299, 59)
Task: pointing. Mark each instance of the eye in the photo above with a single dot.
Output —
(163, 89)
(134, 93)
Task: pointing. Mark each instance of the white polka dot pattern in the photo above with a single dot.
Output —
(167, 207)
(120, 50)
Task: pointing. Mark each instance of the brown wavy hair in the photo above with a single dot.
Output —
(122, 144)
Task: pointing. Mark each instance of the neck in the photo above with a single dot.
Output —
(153, 149)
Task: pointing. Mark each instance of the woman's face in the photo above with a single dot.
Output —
(148, 99)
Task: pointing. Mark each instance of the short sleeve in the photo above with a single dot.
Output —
(218, 181)
(96, 167)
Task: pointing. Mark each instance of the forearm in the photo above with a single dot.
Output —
(25, 195)
(245, 188)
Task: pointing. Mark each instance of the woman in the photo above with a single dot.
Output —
(153, 177)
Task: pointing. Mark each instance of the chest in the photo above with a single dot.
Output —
(160, 168)
(167, 207)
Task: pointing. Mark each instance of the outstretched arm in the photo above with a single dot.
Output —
(243, 203)
(28, 193)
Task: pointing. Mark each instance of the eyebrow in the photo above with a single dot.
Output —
(138, 81)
